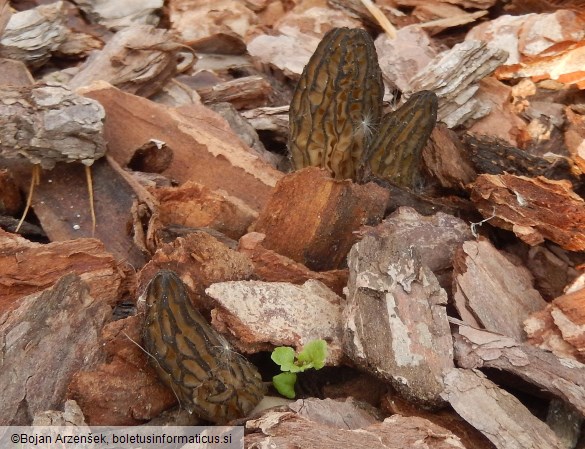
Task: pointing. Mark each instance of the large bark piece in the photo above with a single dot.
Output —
(205, 149)
(395, 322)
(533, 208)
(491, 292)
(436, 237)
(55, 332)
(497, 414)
(287, 430)
(27, 268)
(298, 314)
(49, 124)
(125, 390)
(311, 218)
(562, 378)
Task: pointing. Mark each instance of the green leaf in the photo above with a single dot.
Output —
(313, 354)
(285, 384)
(284, 357)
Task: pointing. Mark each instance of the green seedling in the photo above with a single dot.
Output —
(312, 355)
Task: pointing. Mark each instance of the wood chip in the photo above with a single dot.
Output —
(5, 14)
(532, 208)
(195, 205)
(445, 158)
(269, 119)
(245, 131)
(200, 260)
(435, 238)
(14, 73)
(37, 338)
(563, 378)
(502, 122)
(495, 157)
(61, 204)
(559, 327)
(497, 414)
(70, 416)
(405, 56)
(244, 93)
(10, 198)
(545, 334)
(341, 414)
(300, 33)
(480, 4)
(192, 22)
(529, 34)
(491, 292)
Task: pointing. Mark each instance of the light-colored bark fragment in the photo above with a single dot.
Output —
(70, 416)
(496, 413)
(116, 15)
(48, 124)
(453, 75)
(284, 430)
(28, 268)
(139, 60)
(560, 377)
(298, 314)
(491, 292)
(32, 35)
(528, 35)
(405, 56)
